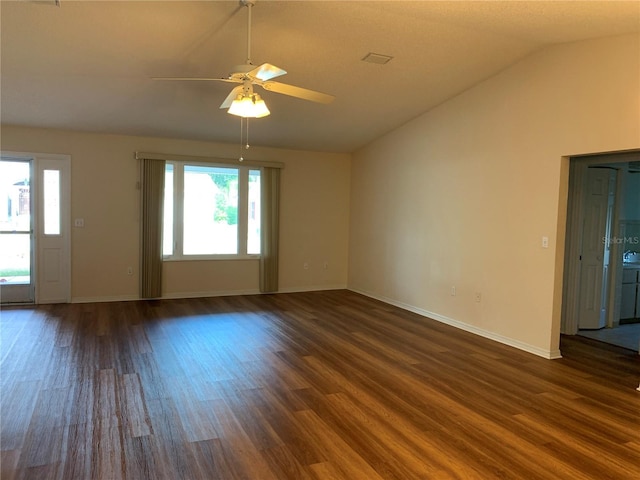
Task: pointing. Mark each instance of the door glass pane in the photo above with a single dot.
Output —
(253, 221)
(210, 210)
(51, 196)
(15, 196)
(15, 217)
(15, 259)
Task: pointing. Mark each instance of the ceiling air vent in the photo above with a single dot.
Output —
(376, 58)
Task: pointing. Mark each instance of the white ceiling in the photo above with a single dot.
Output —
(87, 65)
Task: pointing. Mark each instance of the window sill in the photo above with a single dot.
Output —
(207, 258)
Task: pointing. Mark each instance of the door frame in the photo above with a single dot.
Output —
(575, 211)
(38, 160)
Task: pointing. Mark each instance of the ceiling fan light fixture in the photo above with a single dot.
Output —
(249, 106)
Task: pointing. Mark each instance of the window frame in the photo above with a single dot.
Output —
(178, 212)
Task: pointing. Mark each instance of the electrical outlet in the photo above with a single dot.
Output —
(129, 270)
(478, 297)
(305, 265)
(453, 291)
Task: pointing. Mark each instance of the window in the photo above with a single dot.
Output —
(210, 211)
(51, 194)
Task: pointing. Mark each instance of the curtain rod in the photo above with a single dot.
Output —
(168, 157)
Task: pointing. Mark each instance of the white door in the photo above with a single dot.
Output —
(53, 281)
(592, 304)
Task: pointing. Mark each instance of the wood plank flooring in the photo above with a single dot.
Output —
(320, 385)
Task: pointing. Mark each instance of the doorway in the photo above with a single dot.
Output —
(601, 205)
(34, 228)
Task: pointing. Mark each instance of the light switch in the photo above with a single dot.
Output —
(545, 242)
(78, 222)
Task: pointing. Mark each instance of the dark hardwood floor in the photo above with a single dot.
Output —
(321, 385)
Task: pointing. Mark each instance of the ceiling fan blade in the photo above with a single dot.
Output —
(266, 71)
(231, 97)
(297, 92)
(196, 79)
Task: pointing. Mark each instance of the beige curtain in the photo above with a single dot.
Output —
(269, 228)
(151, 220)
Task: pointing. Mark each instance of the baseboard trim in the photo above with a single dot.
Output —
(315, 288)
(206, 294)
(223, 293)
(114, 298)
(540, 352)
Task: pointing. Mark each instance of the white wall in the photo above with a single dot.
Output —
(314, 216)
(462, 195)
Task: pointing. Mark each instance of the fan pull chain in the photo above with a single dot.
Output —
(244, 138)
(240, 158)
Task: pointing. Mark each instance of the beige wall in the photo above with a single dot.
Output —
(314, 216)
(462, 195)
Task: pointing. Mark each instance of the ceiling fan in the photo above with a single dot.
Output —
(242, 100)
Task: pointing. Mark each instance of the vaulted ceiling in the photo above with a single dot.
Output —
(87, 65)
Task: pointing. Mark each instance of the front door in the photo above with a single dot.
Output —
(35, 247)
